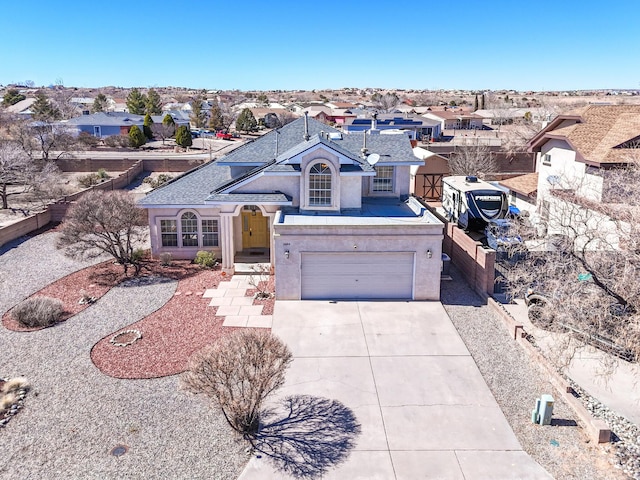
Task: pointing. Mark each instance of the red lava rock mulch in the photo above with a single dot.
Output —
(267, 303)
(170, 335)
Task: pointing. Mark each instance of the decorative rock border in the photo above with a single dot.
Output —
(20, 394)
(137, 335)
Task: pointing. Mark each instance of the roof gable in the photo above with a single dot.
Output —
(599, 134)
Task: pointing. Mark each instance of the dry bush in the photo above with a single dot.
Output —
(38, 312)
(259, 279)
(238, 372)
(6, 401)
(15, 384)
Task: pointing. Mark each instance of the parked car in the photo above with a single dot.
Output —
(500, 236)
(224, 135)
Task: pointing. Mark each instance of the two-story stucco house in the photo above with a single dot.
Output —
(575, 152)
(332, 211)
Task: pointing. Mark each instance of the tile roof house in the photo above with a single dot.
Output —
(578, 148)
(331, 210)
(454, 118)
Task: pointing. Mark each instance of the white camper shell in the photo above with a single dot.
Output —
(471, 202)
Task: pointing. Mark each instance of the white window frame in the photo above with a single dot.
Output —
(324, 175)
(376, 181)
(178, 233)
(546, 159)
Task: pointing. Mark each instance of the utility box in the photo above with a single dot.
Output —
(544, 410)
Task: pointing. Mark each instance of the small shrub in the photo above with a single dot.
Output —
(38, 312)
(137, 256)
(102, 174)
(15, 384)
(165, 259)
(88, 140)
(89, 180)
(205, 259)
(160, 180)
(117, 141)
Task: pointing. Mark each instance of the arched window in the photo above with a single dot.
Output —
(320, 185)
(189, 224)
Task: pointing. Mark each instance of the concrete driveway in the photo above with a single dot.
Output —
(401, 367)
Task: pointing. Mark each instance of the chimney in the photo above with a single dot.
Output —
(306, 126)
(374, 121)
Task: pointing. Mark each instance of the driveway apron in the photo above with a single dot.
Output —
(402, 368)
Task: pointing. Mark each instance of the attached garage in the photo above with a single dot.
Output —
(357, 275)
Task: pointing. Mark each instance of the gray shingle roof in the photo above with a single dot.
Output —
(194, 187)
(253, 198)
(107, 118)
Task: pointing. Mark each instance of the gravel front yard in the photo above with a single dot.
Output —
(75, 415)
(564, 449)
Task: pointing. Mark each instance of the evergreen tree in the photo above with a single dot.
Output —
(246, 122)
(482, 102)
(136, 137)
(198, 114)
(11, 97)
(216, 120)
(44, 110)
(147, 126)
(136, 102)
(475, 103)
(99, 103)
(154, 102)
(183, 136)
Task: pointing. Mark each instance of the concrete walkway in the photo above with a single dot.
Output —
(233, 304)
(602, 375)
(401, 367)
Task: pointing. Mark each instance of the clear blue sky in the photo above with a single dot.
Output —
(299, 44)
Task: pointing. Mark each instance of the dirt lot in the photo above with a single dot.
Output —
(22, 204)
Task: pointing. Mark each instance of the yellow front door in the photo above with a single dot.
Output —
(255, 230)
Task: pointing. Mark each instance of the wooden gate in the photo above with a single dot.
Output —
(431, 186)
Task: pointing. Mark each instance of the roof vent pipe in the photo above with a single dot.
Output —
(364, 145)
(306, 126)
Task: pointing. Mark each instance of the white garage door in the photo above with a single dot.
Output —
(357, 275)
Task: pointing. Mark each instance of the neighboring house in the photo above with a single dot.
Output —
(417, 127)
(341, 105)
(340, 116)
(454, 119)
(426, 180)
(22, 108)
(105, 124)
(522, 192)
(331, 210)
(575, 151)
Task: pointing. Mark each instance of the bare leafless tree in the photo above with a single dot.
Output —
(16, 171)
(474, 159)
(105, 222)
(285, 117)
(588, 269)
(385, 103)
(41, 140)
(237, 373)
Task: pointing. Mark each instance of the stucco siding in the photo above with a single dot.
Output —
(418, 239)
